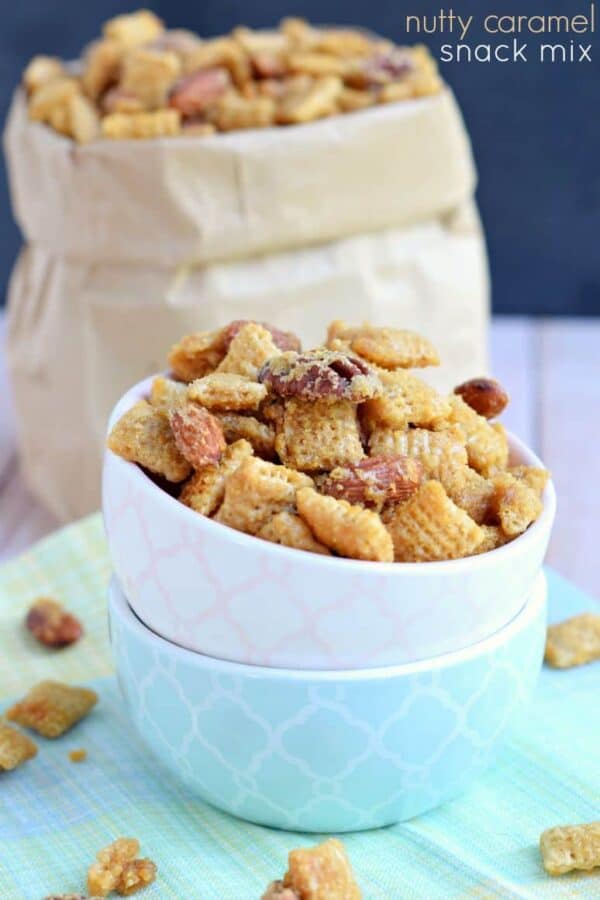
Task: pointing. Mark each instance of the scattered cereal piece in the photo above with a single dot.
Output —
(322, 873)
(51, 708)
(198, 435)
(77, 756)
(485, 395)
(320, 375)
(405, 400)
(513, 504)
(135, 126)
(119, 870)
(351, 531)
(574, 642)
(51, 624)
(133, 29)
(205, 490)
(143, 435)
(227, 391)
(430, 527)
(318, 436)
(374, 481)
(248, 351)
(256, 491)
(259, 434)
(290, 530)
(569, 847)
(15, 747)
(166, 394)
(277, 891)
(487, 446)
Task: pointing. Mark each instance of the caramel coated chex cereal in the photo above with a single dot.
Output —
(322, 873)
(568, 847)
(406, 400)
(319, 435)
(390, 348)
(351, 531)
(430, 527)
(119, 869)
(227, 391)
(249, 350)
(486, 443)
(437, 451)
(256, 491)
(259, 434)
(205, 490)
(195, 355)
(15, 747)
(290, 530)
(143, 435)
(574, 642)
(166, 394)
(51, 708)
(513, 503)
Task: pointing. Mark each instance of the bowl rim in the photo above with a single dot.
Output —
(141, 391)
(119, 607)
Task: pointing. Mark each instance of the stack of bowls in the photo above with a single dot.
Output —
(308, 692)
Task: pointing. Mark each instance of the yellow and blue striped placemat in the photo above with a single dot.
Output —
(55, 815)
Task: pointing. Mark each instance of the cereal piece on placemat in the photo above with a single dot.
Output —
(198, 434)
(351, 531)
(166, 394)
(51, 708)
(205, 490)
(374, 481)
(435, 450)
(142, 125)
(77, 756)
(569, 847)
(51, 624)
(322, 873)
(406, 400)
(259, 434)
(290, 530)
(513, 504)
(573, 642)
(249, 350)
(256, 491)
(143, 435)
(227, 391)
(486, 443)
(118, 869)
(195, 355)
(321, 375)
(277, 891)
(430, 527)
(318, 436)
(15, 747)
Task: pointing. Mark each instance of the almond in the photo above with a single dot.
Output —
(374, 481)
(198, 435)
(485, 395)
(52, 625)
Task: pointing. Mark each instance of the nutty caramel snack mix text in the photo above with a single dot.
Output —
(142, 81)
(338, 450)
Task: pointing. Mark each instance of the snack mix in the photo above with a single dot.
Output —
(339, 450)
(119, 869)
(140, 80)
(316, 873)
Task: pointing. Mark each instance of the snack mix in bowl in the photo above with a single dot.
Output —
(140, 80)
(338, 450)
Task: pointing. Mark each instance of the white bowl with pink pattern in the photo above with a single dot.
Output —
(232, 596)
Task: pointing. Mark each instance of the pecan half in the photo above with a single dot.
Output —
(284, 340)
(485, 395)
(194, 93)
(51, 624)
(374, 481)
(198, 435)
(320, 375)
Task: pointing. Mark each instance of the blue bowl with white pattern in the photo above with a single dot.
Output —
(327, 751)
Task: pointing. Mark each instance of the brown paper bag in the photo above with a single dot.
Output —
(131, 245)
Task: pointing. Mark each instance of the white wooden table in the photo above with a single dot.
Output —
(551, 368)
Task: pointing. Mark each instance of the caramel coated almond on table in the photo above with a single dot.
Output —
(485, 395)
(51, 624)
(373, 481)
